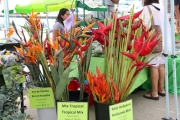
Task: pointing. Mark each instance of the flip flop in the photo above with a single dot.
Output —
(150, 97)
(162, 94)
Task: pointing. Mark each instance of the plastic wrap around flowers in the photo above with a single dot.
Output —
(8, 58)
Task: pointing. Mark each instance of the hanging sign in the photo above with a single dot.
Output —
(121, 111)
(41, 98)
(72, 111)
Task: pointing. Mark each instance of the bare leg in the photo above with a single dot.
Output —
(161, 71)
(154, 73)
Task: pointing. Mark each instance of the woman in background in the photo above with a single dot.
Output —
(59, 24)
(157, 71)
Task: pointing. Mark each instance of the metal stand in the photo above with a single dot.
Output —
(174, 60)
(165, 54)
(22, 99)
(167, 119)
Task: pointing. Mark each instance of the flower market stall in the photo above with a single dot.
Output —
(65, 77)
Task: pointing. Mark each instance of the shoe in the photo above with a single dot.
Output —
(162, 94)
(150, 97)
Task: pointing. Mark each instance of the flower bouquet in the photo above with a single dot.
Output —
(127, 45)
(48, 61)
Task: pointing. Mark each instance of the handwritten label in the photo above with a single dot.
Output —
(41, 98)
(72, 111)
(121, 111)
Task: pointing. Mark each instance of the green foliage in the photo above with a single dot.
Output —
(9, 95)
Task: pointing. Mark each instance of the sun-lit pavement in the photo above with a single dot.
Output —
(143, 109)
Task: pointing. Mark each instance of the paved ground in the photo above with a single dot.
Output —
(143, 109)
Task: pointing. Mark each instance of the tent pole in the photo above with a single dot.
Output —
(166, 61)
(6, 15)
(47, 18)
(174, 60)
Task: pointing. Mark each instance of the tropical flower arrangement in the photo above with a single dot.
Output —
(127, 45)
(48, 61)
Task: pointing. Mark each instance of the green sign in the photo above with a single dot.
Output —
(121, 111)
(41, 98)
(72, 111)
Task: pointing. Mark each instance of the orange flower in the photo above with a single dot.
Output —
(88, 27)
(10, 33)
(19, 50)
(54, 45)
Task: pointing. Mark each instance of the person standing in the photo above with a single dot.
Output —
(157, 70)
(110, 8)
(59, 24)
(177, 10)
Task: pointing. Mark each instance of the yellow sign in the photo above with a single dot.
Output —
(72, 111)
(121, 111)
(41, 98)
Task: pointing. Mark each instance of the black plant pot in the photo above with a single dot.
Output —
(101, 111)
(74, 96)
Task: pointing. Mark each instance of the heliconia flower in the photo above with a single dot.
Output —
(99, 74)
(139, 42)
(139, 63)
(100, 25)
(88, 27)
(108, 28)
(116, 92)
(135, 26)
(129, 47)
(54, 45)
(148, 47)
(154, 36)
(10, 33)
(136, 15)
(82, 48)
(28, 45)
(130, 55)
(140, 22)
(124, 24)
(77, 43)
(19, 50)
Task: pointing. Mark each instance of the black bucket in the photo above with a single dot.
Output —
(101, 111)
(74, 96)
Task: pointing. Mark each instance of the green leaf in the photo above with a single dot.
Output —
(54, 74)
(88, 57)
(63, 82)
(60, 67)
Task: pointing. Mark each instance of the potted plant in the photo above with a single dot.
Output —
(9, 94)
(127, 45)
(49, 61)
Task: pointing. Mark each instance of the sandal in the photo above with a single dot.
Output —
(150, 97)
(162, 94)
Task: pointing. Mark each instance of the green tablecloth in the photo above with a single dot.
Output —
(147, 84)
(98, 61)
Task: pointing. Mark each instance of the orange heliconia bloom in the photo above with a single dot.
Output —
(54, 45)
(10, 33)
(19, 50)
(88, 27)
(99, 86)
